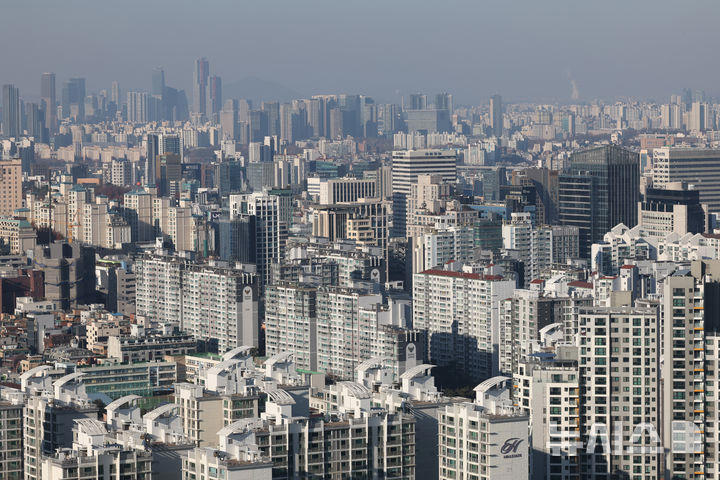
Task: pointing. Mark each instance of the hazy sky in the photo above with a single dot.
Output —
(472, 48)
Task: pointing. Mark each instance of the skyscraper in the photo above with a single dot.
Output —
(693, 166)
(73, 99)
(600, 189)
(200, 84)
(151, 153)
(418, 101)
(158, 81)
(214, 100)
(47, 94)
(696, 120)
(406, 166)
(34, 124)
(444, 101)
(115, 93)
(496, 115)
(11, 111)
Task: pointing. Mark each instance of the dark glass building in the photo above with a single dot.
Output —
(600, 189)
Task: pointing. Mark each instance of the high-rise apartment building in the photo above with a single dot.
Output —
(220, 305)
(270, 228)
(620, 392)
(137, 107)
(439, 246)
(340, 340)
(291, 322)
(600, 189)
(548, 390)
(49, 426)
(461, 313)
(12, 426)
(214, 302)
(486, 439)
(691, 331)
(538, 247)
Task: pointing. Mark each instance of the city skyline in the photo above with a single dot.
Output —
(584, 51)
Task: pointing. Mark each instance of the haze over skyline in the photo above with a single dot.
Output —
(524, 50)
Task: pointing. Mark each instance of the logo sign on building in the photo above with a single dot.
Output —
(510, 448)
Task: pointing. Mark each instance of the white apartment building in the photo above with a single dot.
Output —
(539, 247)
(619, 362)
(48, 426)
(342, 342)
(486, 439)
(158, 287)
(690, 367)
(291, 322)
(440, 246)
(220, 305)
(213, 302)
(334, 329)
(461, 313)
(219, 464)
(548, 392)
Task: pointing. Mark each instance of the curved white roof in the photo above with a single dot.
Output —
(241, 350)
(91, 426)
(550, 327)
(491, 383)
(375, 362)
(62, 381)
(217, 369)
(160, 411)
(417, 370)
(355, 389)
(281, 397)
(237, 427)
(114, 405)
(277, 358)
(33, 372)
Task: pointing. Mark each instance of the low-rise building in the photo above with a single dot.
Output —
(132, 349)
